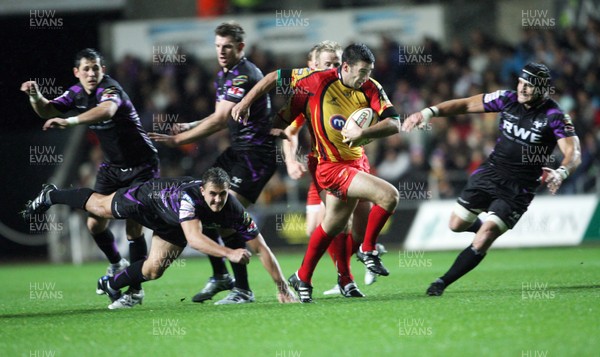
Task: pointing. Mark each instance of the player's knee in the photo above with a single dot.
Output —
(389, 198)
(461, 219)
(494, 226)
(95, 226)
(133, 231)
(154, 272)
(455, 225)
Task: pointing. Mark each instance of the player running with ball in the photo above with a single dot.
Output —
(343, 170)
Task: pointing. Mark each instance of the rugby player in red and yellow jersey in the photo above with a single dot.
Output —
(325, 55)
(330, 97)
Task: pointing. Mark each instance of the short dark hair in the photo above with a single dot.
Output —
(89, 54)
(357, 52)
(216, 176)
(231, 29)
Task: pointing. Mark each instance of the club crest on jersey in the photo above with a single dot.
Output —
(251, 227)
(239, 80)
(108, 96)
(235, 181)
(568, 123)
(539, 124)
(109, 93)
(235, 92)
(337, 122)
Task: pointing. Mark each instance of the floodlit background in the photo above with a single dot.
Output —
(533, 300)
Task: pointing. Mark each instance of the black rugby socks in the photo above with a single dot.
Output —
(218, 264)
(75, 198)
(106, 242)
(464, 263)
(131, 276)
(138, 250)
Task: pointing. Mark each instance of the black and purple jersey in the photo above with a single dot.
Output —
(232, 86)
(528, 136)
(122, 139)
(162, 203)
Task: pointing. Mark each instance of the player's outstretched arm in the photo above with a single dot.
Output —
(570, 147)
(40, 105)
(268, 260)
(104, 111)
(193, 233)
(240, 111)
(472, 104)
(213, 123)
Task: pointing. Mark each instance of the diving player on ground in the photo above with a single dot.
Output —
(176, 210)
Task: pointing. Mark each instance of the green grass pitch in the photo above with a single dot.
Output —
(526, 302)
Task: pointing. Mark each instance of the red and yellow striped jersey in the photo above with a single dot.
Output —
(328, 103)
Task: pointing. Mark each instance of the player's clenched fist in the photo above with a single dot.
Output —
(31, 89)
(240, 112)
(554, 178)
(239, 255)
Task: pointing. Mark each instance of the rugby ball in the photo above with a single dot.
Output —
(364, 118)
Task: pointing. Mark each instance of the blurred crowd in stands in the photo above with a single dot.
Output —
(440, 157)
